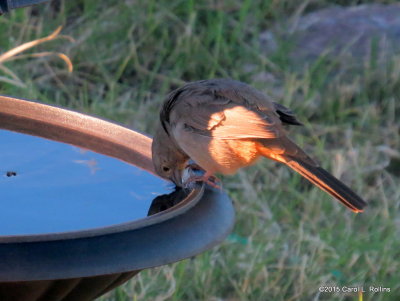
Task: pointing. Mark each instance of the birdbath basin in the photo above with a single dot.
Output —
(81, 211)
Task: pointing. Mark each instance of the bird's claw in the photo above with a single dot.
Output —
(210, 180)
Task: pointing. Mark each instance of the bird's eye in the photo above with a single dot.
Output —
(165, 168)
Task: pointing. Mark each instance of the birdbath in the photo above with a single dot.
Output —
(81, 209)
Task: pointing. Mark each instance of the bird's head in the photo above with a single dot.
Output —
(169, 160)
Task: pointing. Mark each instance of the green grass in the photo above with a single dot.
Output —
(289, 238)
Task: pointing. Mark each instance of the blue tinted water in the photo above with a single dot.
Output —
(48, 187)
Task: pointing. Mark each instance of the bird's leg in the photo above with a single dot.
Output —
(207, 178)
(198, 174)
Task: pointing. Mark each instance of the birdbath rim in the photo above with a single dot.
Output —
(68, 126)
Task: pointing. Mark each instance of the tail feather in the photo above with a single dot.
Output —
(324, 180)
(285, 151)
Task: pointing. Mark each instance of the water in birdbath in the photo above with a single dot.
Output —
(49, 187)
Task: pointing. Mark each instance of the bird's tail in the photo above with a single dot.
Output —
(306, 167)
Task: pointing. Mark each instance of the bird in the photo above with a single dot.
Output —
(223, 125)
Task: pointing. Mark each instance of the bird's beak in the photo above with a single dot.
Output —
(183, 174)
(177, 177)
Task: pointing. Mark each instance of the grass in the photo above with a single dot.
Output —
(289, 238)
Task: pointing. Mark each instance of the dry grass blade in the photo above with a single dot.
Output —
(62, 56)
(13, 55)
(6, 56)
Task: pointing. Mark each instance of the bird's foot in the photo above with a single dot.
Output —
(194, 173)
(206, 178)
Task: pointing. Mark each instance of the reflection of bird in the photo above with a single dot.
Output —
(166, 201)
(224, 125)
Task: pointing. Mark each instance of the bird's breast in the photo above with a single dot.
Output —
(230, 155)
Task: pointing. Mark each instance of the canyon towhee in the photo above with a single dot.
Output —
(224, 125)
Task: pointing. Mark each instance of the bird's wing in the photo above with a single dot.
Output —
(225, 119)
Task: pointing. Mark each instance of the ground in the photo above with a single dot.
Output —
(289, 239)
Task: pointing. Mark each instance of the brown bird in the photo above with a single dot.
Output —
(224, 125)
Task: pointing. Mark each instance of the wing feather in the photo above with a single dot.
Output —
(231, 122)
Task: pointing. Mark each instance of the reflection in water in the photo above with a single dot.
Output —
(47, 186)
(166, 201)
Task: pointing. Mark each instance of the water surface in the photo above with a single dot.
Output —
(48, 187)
